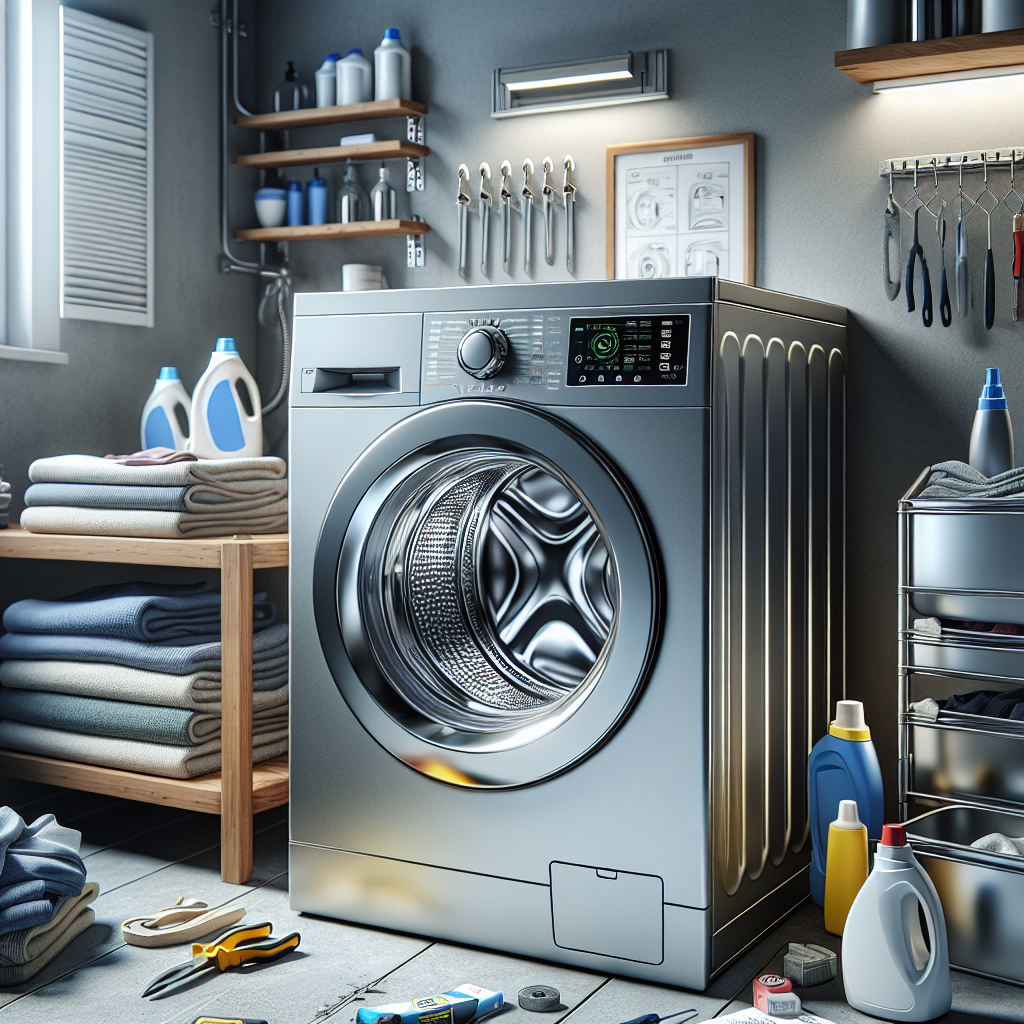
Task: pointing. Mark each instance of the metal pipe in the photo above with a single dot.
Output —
(234, 67)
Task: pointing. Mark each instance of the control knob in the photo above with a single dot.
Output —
(483, 351)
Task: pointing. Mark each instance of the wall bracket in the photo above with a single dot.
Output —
(415, 253)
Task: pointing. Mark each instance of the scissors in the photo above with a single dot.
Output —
(232, 949)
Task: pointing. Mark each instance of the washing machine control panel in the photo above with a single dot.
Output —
(628, 350)
(482, 351)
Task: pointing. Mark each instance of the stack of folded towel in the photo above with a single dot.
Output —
(44, 897)
(129, 677)
(166, 494)
(5, 502)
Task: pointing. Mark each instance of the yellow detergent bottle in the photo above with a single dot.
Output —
(846, 866)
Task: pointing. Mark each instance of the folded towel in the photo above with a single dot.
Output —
(26, 914)
(45, 850)
(88, 469)
(195, 691)
(150, 612)
(153, 499)
(25, 953)
(23, 892)
(958, 480)
(267, 644)
(93, 522)
(131, 755)
(128, 721)
(158, 456)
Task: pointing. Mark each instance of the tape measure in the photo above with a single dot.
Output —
(774, 995)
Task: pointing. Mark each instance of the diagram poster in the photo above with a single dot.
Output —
(682, 208)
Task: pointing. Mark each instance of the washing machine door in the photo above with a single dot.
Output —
(486, 594)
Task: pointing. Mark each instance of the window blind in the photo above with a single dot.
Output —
(106, 170)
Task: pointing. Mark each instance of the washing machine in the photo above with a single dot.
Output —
(567, 579)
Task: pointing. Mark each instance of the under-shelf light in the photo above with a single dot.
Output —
(571, 85)
(946, 77)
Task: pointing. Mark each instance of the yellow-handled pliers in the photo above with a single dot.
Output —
(234, 948)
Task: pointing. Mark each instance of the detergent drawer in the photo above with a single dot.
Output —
(981, 892)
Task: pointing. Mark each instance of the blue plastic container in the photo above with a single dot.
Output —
(296, 204)
(843, 766)
(316, 192)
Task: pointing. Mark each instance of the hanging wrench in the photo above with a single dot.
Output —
(463, 202)
(486, 202)
(569, 193)
(528, 202)
(890, 231)
(964, 292)
(506, 217)
(548, 199)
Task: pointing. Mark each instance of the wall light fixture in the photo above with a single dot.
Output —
(948, 76)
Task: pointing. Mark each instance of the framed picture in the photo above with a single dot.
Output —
(682, 208)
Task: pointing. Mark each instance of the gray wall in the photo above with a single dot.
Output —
(736, 66)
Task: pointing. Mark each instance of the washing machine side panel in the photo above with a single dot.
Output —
(638, 804)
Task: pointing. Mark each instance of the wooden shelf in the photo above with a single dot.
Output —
(389, 149)
(269, 550)
(933, 56)
(203, 793)
(311, 117)
(359, 229)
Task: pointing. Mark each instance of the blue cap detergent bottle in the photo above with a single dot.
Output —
(226, 418)
(843, 766)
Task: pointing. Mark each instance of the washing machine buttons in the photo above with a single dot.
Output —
(482, 351)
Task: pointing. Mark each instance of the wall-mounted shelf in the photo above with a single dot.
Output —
(389, 149)
(375, 110)
(933, 56)
(358, 229)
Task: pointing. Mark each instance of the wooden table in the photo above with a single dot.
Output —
(239, 789)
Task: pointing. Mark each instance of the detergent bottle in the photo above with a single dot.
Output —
(843, 766)
(847, 865)
(392, 68)
(226, 418)
(895, 952)
(165, 414)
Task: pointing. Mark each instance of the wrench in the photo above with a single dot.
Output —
(463, 202)
(486, 202)
(548, 198)
(569, 193)
(528, 202)
(506, 217)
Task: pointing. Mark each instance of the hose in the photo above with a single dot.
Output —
(282, 286)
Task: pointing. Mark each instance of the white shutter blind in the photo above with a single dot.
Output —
(106, 171)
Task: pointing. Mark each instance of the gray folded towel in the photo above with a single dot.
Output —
(145, 722)
(958, 480)
(194, 691)
(153, 499)
(90, 469)
(94, 522)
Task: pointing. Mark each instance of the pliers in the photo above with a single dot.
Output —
(232, 949)
(917, 251)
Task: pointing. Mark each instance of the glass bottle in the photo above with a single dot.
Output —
(383, 198)
(353, 202)
(291, 93)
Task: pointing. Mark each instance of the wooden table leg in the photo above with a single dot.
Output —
(236, 704)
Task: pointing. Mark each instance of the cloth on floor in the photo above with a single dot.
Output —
(267, 644)
(195, 691)
(128, 721)
(89, 469)
(149, 612)
(152, 499)
(996, 842)
(44, 850)
(132, 755)
(958, 480)
(93, 522)
(927, 708)
(153, 457)
(25, 953)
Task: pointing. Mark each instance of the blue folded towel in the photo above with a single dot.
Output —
(177, 660)
(26, 915)
(47, 851)
(23, 892)
(148, 612)
(153, 499)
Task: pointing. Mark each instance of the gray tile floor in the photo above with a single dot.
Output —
(145, 857)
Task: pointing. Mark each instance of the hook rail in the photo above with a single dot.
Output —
(951, 163)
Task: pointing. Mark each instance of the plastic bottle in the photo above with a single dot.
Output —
(296, 204)
(326, 81)
(383, 198)
(891, 968)
(291, 93)
(224, 424)
(847, 866)
(353, 202)
(165, 414)
(392, 68)
(316, 197)
(843, 766)
(992, 433)
(355, 78)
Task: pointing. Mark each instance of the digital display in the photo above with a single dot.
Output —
(626, 350)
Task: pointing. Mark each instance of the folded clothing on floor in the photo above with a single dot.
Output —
(194, 691)
(1007, 704)
(93, 522)
(958, 480)
(149, 612)
(144, 722)
(43, 851)
(239, 496)
(24, 905)
(132, 755)
(267, 644)
(25, 953)
(89, 469)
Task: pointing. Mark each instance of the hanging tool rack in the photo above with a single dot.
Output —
(950, 163)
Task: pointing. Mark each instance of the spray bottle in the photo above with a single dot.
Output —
(992, 434)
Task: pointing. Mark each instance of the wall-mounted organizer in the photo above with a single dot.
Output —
(1004, 261)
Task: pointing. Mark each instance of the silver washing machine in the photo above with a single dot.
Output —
(567, 587)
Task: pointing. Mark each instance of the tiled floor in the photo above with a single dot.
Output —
(145, 857)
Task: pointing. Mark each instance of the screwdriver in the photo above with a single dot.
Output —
(1018, 263)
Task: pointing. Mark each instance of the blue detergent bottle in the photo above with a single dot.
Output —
(843, 766)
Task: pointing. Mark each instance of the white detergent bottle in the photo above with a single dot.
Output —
(165, 414)
(226, 418)
(392, 68)
(895, 952)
